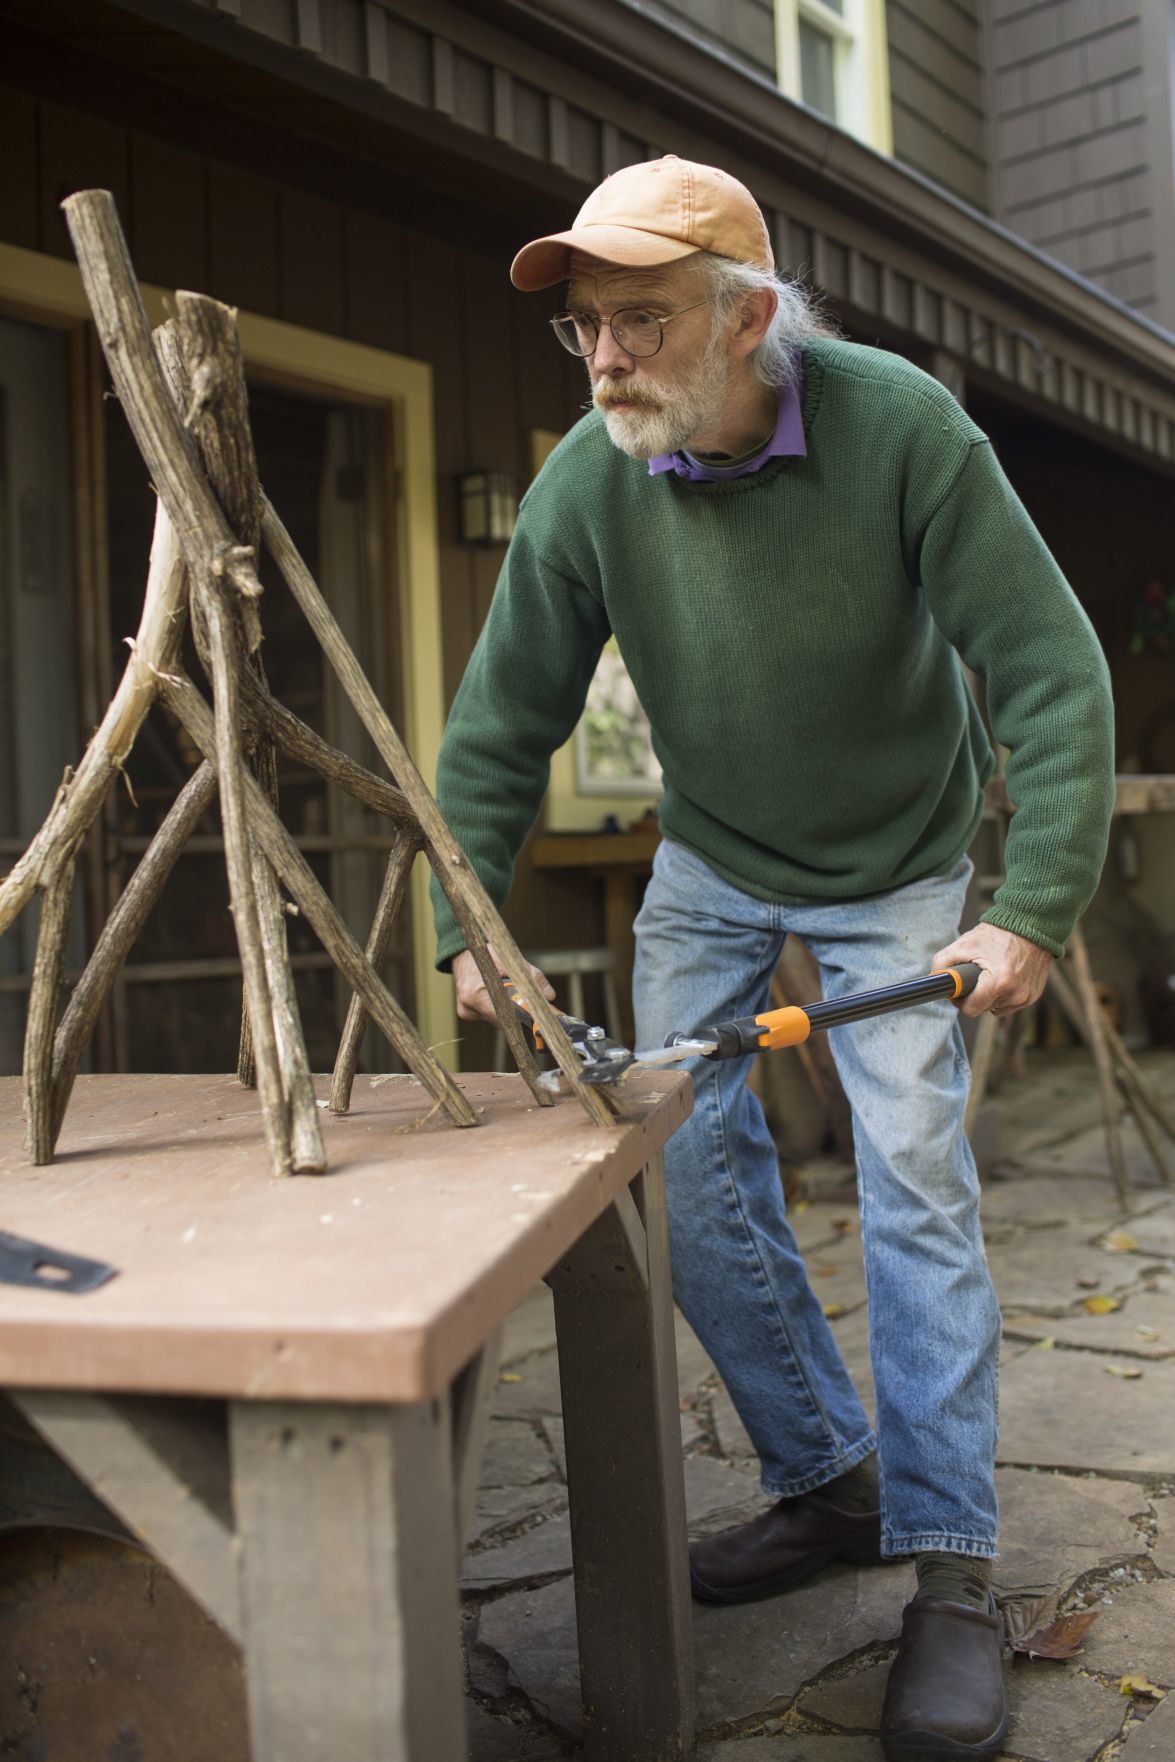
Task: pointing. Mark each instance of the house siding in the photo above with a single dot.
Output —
(1071, 139)
(742, 29)
(936, 90)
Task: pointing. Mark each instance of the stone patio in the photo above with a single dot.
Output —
(1086, 1480)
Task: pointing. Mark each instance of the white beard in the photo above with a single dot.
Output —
(676, 409)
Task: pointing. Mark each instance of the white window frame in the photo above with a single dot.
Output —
(860, 63)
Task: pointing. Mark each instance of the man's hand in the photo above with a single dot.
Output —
(1015, 971)
(473, 1000)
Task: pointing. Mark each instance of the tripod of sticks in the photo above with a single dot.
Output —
(183, 394)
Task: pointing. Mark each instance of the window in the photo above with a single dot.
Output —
(831, 56)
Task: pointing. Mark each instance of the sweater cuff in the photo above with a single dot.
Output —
(447, 950)
(1020, 924)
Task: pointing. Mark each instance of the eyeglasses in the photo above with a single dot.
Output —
(636, 331)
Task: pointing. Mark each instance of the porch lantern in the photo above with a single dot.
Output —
(489, 507)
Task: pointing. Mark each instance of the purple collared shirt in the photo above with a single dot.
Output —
(787, 442)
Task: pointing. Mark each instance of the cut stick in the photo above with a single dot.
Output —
(44, 1002)
(215, 408)
(391, 897)
(323, 916)
(517, 1038)
(79, 800)
(225, 652)
(462, 881)
(307, 1152)
(121, 931)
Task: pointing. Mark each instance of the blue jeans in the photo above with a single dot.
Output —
(706, 950)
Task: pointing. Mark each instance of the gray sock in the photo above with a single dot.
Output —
(855, 1490)
(957, 1578)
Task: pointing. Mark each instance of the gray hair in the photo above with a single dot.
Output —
(798, 313)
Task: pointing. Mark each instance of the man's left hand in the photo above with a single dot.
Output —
(1015, 971)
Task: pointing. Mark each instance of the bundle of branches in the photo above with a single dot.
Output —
(183, 394)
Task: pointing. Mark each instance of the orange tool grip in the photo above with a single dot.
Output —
(784, 1027)
(955, 975)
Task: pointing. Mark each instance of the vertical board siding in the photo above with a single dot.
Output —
(936, 91)
(1070, 141)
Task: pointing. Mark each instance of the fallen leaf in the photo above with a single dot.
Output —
(799, 1206)
(832, 1310)
(825, 1272)
(842, 1225)
(1145, 1333)
(509, 1376)
(1102, 1305)
(1045, 1345)
(1027, 1615)
(1138, 1685)
(1122, 1370)
(1061, 1638)
(1089, 1284)
(1120, 1242)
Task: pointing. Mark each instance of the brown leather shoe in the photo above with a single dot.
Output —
(945, 1700)
(781, 1548)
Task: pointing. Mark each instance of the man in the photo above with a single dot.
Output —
(794, 540)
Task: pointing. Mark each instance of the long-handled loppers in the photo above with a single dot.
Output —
(606, 1062)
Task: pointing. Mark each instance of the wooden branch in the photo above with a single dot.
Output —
(1130, 1081)
(80, 798)
(391, 897)
(1095, 1037)
(225, 651)
(44, 1002)
(307, 1152)
(517, 1038)
(121, 931)
(168, 451)
(462, 880)
(210, 377)
(293, 737)
(299, 880)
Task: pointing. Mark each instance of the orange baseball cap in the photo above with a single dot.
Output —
(653, 213)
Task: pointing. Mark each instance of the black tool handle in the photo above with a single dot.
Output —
(952, 982)
(792, 1025)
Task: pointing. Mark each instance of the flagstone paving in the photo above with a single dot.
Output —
(1086, 1481)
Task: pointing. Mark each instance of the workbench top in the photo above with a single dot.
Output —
(374, 1282)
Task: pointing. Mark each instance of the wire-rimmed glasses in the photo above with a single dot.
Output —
(637, 331)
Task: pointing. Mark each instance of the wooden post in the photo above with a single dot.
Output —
(618, 1371)
(342, 1510)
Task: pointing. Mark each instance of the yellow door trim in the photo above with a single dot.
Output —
(49, 290)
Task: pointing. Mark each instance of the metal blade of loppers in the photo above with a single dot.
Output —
(671, 1055)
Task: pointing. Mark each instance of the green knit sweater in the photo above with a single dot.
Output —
(794, 637)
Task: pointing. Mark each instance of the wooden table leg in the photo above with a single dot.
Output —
(618, 1371)
(348, 1585)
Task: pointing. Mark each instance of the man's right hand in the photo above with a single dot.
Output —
(473, 1000)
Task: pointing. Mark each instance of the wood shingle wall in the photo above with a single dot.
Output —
(1073, 138)
(936, 91)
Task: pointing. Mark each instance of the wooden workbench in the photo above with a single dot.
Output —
(314, 1506)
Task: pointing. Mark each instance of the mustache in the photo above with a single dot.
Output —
(606, 396)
